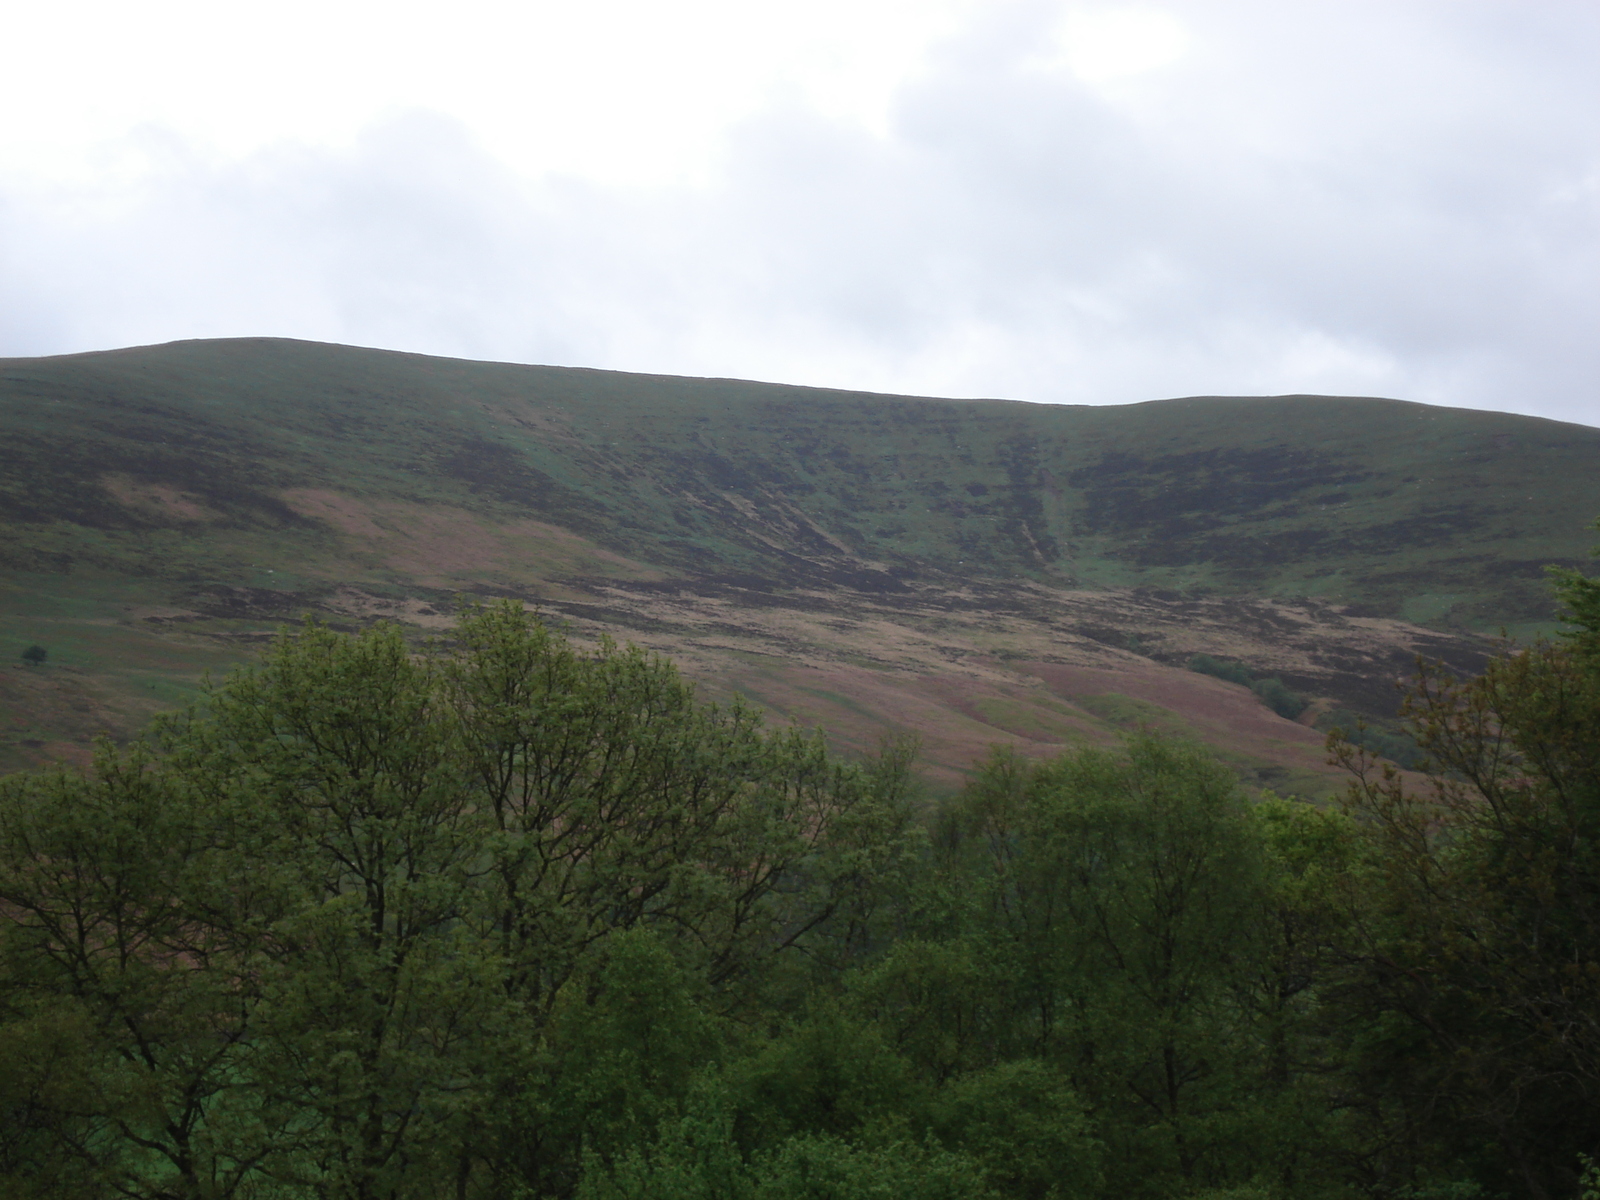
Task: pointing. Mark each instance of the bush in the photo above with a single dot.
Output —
(1233, 672)
(1272, 692)
(1279, 698)
(1396, 745)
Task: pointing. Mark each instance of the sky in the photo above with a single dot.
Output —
(1046, 200)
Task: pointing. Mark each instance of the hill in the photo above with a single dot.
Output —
(978, 570)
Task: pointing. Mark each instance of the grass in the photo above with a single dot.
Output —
(1038, 719)
(1131, 713)
(231, 484)
(1444, 516)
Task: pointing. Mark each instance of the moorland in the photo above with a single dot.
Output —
(980, 572)
(941, 868)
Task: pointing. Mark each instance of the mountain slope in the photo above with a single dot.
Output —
(161, 506)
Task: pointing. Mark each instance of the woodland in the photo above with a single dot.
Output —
(497, 917)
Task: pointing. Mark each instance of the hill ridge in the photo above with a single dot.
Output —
(186, 475)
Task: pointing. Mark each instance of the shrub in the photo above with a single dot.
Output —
(1272, 692)
(1276, 696)
(1233, 672)
(1394, 744)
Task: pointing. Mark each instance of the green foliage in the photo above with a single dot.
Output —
(1580, 598)
(370, 920)
(827, 1075)
(1133, 906)
(46, 1091)
(1221, 668)
(1589, 1181)
(929, 999)
(623, 1049)
(1279, 698)
(100, 880)
(35, 655)
(1383, 739)
(829, 1169)
(1477, 975)
(502, 918)
(1027, 1126)
(1272, 692)
(802, 1168)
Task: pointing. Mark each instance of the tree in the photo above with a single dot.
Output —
(1124, 893)
(334, 766)
(128, 999)
(378, 922)
(614, 802)
(35, 655)
(1476, 974)
(1580, 594)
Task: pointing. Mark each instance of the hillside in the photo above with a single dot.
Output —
(979, 570)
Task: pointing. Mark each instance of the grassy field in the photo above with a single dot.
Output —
(161, 507)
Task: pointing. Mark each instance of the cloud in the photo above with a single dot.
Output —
(1086, 203)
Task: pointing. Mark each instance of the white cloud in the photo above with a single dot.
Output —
(617, 91)
(1228, 196)
(1101, 45)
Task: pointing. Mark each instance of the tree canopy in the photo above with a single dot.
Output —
(495, 916)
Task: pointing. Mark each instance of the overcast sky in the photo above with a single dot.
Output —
(1081, 202)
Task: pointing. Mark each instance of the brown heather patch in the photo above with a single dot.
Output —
(71, 754)
(344, 513)
(1222, 714)
(439, 546)
(366, 608)
(965, 663)
(986, 663)
(161, 613)
(157, 501)
(53, 714)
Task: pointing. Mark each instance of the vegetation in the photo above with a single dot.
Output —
(212, 489)
(1274, 693)
(1478, 967)
(1382, 739)
(500, 919)
(369, 922)
(183, 453)
(504, 919)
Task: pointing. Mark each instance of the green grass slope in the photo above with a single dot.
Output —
(161, 507)
(173, 461)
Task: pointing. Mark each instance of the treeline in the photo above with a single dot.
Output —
(504, 919)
